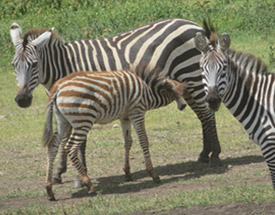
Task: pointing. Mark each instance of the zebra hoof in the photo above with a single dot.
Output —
(51, 198)
(203, 159)
(215, 162)
(157, 180)
(92, 191)
(50, 194)
(78, 184)
(128, 178)
(57, 180)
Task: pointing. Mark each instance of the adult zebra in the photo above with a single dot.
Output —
(42, 57)
(81, 99)
(242, 83)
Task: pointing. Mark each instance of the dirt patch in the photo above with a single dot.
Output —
(176, 172)
(224, 209)
(142, 186)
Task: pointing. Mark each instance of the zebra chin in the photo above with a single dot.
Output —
(214, 106)
(23, 100)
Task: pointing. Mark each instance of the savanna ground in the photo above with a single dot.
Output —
(241, 186)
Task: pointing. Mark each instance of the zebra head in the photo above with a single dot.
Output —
(26, 63)
(214, 67)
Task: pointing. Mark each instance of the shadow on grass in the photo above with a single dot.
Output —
(184, 171)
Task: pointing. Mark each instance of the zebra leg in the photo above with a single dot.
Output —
(269, 156)
(138, 123)
(78, 183)
(126, 130)
(72, 147)
(52, 151)
(210, 137)
(271, 166)
(62, 165)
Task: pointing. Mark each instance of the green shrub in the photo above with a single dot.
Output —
(82, 19)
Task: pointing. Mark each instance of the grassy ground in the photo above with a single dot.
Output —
(175, 137)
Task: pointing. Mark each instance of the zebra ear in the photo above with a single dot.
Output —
(201, 42)
(42, 39)
(224, 41)
(16, 33)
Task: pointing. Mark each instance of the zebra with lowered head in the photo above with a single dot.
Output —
(242, 83)
(81, 99)
(42, 57)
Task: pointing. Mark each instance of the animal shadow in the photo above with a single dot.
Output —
(185, 170)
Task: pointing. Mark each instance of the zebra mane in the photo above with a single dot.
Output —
(247, 62)
(36, 32)
(210, 32)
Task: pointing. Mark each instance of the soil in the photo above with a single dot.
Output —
(170, 174)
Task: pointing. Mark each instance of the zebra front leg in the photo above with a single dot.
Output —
(138, 122)
(52, 151)
(126, 130)
(210, 137)
(72, 146)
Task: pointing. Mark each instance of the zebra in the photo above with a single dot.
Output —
(81, 99)
(42, 57)
(242, 83)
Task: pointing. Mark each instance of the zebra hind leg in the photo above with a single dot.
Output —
(270, 160)
(138, 122)
(52, 151)
(62, 166)
(72, 146)
(77, 182)
(126, 130)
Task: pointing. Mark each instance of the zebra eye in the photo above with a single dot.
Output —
(225, 67)
(34, 64)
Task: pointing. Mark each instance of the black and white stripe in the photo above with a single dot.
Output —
(82, 99)
(166, 46)
(242, 83)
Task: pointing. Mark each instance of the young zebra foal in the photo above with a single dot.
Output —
(82, 99)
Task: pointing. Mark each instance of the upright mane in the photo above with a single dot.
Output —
(210, 32)
(36, 32)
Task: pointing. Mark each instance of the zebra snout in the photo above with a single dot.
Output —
(182, 106)
(23, 100)
(213, 99)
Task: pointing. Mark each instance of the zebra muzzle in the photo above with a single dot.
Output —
(213, 99)
(23, 100)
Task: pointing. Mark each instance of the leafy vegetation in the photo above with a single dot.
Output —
(175, 137)
(75, 19)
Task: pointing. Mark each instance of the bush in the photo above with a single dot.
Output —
(77, 19)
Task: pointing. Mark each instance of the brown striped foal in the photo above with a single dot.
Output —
(82, 99)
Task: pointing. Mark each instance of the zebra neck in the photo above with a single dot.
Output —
(55, 62)
(156, 99)
(249, 96)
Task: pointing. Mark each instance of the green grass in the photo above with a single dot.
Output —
(175, 137)
(128, 204)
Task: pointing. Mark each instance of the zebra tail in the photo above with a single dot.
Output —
(48, 128)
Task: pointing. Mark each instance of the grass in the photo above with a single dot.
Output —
(175, 137)
(127, 204)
